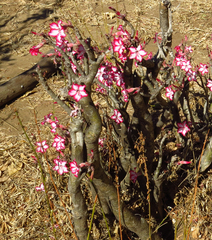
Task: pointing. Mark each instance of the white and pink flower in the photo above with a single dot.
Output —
(183, 128)
(60, 166)
(117, 116)
(203, 68)
(101, 142)
(137, 53)
(59, 143)
(185, 65)
(40, 188)
(209, 84)
(42, 146)
(34, 51)
(169, 93)
(74, 168)
(57, 31)
(191, 75)
(118, 46)
(77, 92)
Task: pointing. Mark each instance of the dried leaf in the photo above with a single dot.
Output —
(4, 167)
(13, 168)
(3, 179)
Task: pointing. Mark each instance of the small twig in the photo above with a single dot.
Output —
(87, 48)
(195, 187)
(123, 17)
(70, 54)
(157, 171)
(65, 56)
(51, 93)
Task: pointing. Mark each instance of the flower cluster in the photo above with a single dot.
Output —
(122, 44)
(58, 31)
(110, 76)
(182, 59)
(54, 123)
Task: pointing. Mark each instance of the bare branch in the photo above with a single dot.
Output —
(157, 171)
(86, 46)
(65, 56)
(51, 93)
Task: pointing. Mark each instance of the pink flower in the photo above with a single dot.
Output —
(134, 175)
(169, 93)
(117, 116)
(179, 61)
(58, 143)
(191, 75)
(185, 65)
(80, 51)
(77, 92)
(209, 85)
(101, 142)
(159, 38)
(40, 188)
(74, 68)
(54, 127)
(125, 95)
(149, 56)
(203, 68)
(91, 155)
(178, 48)
(85, 164)
(34, 51)
(74, 168)
(118, 45)
(137, 53)
(101, 90)
(76, 111)
(188, 49)
(118, 78)
(60, 166)
(57, 31)
(183, 128)
(47, 118)
(183, 162)
(133, 90)
(42, 146)
(123, 57)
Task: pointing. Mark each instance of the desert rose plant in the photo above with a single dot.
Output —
(123, 104)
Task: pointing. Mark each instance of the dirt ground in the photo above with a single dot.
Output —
(22, 215)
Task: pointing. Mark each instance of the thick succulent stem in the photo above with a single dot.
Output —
(78, 202)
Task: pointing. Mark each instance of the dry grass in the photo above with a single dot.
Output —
(23, 211)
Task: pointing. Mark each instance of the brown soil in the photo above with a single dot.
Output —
(22, 211)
